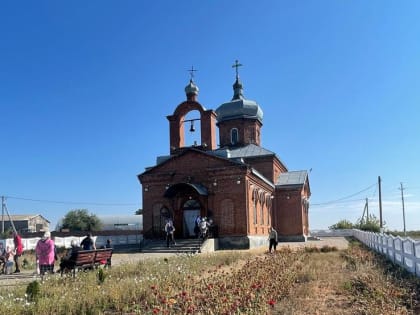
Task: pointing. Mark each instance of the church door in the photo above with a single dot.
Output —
(191, 210)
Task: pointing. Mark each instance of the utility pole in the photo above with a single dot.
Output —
(367, 209)
(2, 214)
(402, 199)
(380, 203)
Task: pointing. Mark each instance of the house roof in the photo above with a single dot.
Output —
(292, 179)
(24, 217)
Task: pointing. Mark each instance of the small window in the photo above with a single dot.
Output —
(234, 137)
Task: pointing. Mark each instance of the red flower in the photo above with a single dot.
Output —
(271, 302)
(156, 310)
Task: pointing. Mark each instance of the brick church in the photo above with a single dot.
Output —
(243, 187)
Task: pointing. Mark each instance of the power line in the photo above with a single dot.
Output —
(343, 198)
(72, 202)
(338, 202)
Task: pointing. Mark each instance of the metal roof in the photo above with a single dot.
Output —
(239, 108)
(121, 219)
(250, 150)
(295, 178)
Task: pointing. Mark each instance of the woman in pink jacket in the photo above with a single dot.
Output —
(45, 253)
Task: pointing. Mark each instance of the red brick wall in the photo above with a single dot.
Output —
(248, 130)
(288, 213)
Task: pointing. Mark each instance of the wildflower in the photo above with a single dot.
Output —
(171, 301)
(156, 310)
(271, 302)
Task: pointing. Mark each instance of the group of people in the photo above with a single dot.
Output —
(10, 256)
(201, 229)
(46, 253)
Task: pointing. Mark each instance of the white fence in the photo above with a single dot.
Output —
(117, 240)
(331, 233)
(402, 251)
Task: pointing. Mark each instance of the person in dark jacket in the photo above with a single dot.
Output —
(88, 243)
(67, 262)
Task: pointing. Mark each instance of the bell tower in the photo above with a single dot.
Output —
(177, 121)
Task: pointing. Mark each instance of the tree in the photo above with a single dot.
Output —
(139, 211)
(81, 220)
(342, 224)
(371, 223)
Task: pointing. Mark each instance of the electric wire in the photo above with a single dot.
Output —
(72, 202)
(343, 198)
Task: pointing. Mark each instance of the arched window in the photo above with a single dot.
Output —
(226, 215)
(262, 202)
(234, 136)
(159, 216)
(254, 204)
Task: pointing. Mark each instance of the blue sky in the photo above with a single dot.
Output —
(85, 88)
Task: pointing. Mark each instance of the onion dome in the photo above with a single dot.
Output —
(239, 107)
(191, 88)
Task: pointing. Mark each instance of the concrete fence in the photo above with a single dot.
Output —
(402, 251)
(331, 233)
(117, 240)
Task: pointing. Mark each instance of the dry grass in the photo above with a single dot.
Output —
(307, 281)
(355, 281)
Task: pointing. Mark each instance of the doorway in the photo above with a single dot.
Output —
(189, 222)
(191, 210)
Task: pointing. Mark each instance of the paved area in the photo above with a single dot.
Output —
(120, 258)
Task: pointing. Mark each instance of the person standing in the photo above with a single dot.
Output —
(17, 240)
(272, 238)
(8, 264)
(170, 229)
(2, 256)
(45, 253)
(197, 226)
(88, 243)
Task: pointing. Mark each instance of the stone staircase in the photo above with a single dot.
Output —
(183, 246)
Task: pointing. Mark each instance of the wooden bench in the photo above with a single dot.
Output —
(89, 259)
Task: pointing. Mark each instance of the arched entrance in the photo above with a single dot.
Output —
(189, 200)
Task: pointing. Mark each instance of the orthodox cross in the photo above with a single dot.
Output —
(237, 65)
(191, 71)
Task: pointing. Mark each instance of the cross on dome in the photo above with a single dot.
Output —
(191, 71)
(237, 65)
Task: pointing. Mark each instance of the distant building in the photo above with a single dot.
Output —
(121, 222)
(26, 223)
(243, 187)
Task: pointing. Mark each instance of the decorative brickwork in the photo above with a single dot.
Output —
(243, 194)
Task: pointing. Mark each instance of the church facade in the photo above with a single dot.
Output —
(243, 187)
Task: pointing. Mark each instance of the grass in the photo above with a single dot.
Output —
(309, 281)
(355, 281)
